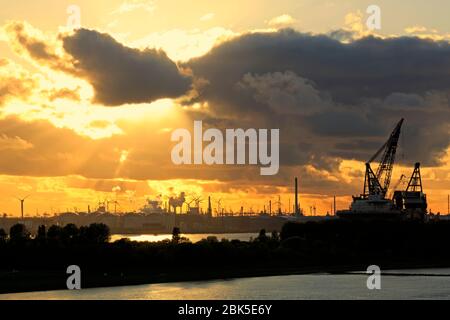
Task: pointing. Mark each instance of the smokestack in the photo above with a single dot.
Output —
(334, 206)
(297, 211)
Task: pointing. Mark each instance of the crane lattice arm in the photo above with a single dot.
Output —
(384, 171)
(415, 183)
(379, 183)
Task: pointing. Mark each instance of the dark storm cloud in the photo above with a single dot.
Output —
(123, 75)
(366, 68)
(342, 91)
(343, 124)
(119, 74)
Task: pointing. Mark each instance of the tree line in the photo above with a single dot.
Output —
(312, 244)
(19, 235)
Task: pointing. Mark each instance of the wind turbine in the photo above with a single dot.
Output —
(21, 204)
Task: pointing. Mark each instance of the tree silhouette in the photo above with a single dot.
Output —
(70, 233)
(18, 234)
(96, 233)
(176, 235)
(41, 233)
(262, 235)
(3, 236)
(41, 236)
(275, 236)
(54, 233)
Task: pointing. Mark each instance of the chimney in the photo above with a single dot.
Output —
(297, 209)
(334, 206)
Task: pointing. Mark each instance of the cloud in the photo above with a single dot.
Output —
(37, 148)
(30, 43)
(354, 28)
(330, 92)
(416, 29)
(15, 82)
(283, 20)
(122, 75)
(132, 5)
(425, 33)
(354, 23)
(118, 74)
(183, 45)
(64, 93)
(333, 100)
(28, 38)
(13, 143)
(366, 68)
(285, 93)
(208, 17)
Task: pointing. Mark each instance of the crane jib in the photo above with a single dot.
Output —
(379, 183)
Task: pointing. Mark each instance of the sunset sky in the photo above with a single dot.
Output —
(87, 114)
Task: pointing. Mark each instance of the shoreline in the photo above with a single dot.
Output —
(55, 281)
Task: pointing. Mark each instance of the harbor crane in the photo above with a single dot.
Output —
(374, 203)
(378, 184)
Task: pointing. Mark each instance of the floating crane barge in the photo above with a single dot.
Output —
(373, 203)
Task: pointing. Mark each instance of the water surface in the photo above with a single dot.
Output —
(191, 236)
(420, 284)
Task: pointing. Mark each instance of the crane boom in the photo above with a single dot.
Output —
(379, 183)
(384, 171)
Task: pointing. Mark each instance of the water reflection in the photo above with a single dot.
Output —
(192, 237)
(314, 286)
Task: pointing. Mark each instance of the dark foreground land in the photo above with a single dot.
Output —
(40, 262)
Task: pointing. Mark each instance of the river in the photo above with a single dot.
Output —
(191, 236)
(399, 284)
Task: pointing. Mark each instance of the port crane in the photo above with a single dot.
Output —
(378, 183)
(373, 203)
(415, 183)
(413, 199)
(401, 181)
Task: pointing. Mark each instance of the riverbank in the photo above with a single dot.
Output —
(36, 281)
(413, 284)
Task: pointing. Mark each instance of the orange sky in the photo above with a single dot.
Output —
(67, 147)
